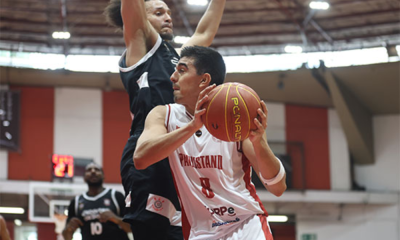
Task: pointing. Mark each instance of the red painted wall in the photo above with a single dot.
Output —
(46, 231)
(10, 228)
(283, 232)
(116, 126)
(37, 128)
(309, 125)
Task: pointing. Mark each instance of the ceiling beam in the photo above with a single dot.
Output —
(183, 17)
(355, 119)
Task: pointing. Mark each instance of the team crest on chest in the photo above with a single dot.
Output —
(81, 205)
(158, 204)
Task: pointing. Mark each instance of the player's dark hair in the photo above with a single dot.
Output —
(96, 164)
(207, 60)
(113, 14)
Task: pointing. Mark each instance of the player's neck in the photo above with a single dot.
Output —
(189, 109)
(95, 190)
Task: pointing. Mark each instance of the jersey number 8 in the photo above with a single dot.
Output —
(205, 183)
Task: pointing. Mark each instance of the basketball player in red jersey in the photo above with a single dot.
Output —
(212, 176)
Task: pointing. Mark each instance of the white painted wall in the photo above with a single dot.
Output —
(353, 222)
(276, 128)
(384, 174)
(3, 164)
(360, 221)
(339, 154)
(78, 123)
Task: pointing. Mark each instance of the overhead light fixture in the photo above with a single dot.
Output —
(293, 49)
(319, 5)
(12, 210)
(61, 35)
(17, 222)
(181, 39)
(197, 2)
(277, 218)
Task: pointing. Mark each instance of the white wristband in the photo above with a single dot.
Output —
(275, 179)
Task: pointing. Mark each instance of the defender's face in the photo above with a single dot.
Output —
(185, 82)
(159, 16)
(93, 174)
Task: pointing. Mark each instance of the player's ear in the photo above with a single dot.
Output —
(206, 80)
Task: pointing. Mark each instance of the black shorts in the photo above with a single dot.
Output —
(156, 179)
(143, 231)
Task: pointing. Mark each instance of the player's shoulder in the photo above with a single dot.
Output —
(118, 193)
(159, 110)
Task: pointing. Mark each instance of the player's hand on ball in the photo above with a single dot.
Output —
(261, 124)
(203, 97)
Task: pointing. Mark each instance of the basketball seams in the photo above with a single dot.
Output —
(251, 94)
(247, 110)
(231, 101)
(226, 109)
(255, 96)
(212, 100)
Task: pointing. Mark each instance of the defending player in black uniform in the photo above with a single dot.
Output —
(153, 208)
(97, 212)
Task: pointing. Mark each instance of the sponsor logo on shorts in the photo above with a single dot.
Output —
(158, 204)
(217, 224)
(221, 211)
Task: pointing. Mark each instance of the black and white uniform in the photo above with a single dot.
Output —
(150, 194)
(88, 209)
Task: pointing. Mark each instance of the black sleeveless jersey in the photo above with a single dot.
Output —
(88, 210)
(148, 83)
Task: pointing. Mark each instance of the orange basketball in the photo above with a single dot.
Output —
(230, 111)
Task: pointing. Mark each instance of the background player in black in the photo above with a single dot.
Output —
(97, 212)
(145, 70)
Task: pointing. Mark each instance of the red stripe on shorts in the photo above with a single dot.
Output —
(265, 227)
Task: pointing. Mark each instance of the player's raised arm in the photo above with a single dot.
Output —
(208, 25)
(139, 34)
(268, 168)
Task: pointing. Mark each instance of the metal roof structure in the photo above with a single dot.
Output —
(248, 27)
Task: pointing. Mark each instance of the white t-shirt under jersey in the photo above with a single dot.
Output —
(213, 180)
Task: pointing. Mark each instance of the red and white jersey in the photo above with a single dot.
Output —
(213, 180)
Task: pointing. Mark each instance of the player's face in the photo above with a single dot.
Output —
(159, 15)
(94, 175)
(186, 82)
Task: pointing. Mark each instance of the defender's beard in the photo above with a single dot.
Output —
(167, 36)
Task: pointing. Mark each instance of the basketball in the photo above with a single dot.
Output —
(230, 112)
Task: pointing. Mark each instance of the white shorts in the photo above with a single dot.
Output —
(254, 228)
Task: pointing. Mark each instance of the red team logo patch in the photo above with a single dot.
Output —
(158, 204)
